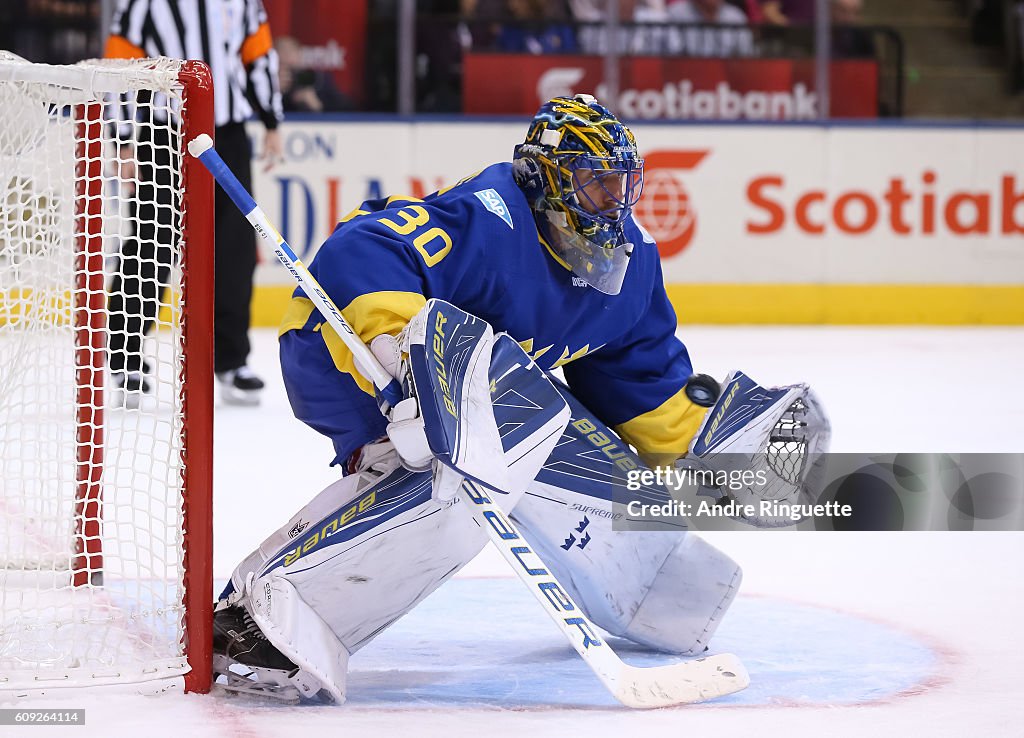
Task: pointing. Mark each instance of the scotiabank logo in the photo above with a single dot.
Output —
(682, 99)
(665, 209)
(906, 207)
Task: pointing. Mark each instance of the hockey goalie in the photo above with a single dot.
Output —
(470, 298)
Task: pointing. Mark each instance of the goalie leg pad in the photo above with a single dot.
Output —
(666, 589)
(375, 460)
(364, 552)
(299, 633)
(687, 598)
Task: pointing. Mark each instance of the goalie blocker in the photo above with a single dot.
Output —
(372, 545)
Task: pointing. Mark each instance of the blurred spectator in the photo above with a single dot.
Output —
(846, 12)
(705, 11)
(643, 30)
(303, 89)
(438, 57)
(788, 12)
(541, 28)
(51, 31)
(638, 11)
(848, 41)
(630, 11)
(713, 42)
(480, 24)
(648, 11)
(585, 11)
(987, 20)
(751, 8)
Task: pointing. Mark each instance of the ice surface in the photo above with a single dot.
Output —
(845, 634)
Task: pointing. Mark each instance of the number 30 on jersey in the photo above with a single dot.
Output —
(433, 244)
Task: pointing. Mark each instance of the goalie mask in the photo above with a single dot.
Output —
(581, 174)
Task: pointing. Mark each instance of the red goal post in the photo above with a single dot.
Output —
(106, 504)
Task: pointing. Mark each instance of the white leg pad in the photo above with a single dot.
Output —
(298, 632)
(687, 599)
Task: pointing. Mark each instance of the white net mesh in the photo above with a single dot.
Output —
(91, 356)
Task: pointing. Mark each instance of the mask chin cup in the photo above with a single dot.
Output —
(603, 268)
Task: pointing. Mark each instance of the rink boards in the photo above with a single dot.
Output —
(755, 224)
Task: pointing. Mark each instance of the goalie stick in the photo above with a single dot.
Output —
(389, 391)
(642, 687)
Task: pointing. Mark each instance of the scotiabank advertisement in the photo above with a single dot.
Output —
(836, 205)
(669, 88)
(729, 205)
(325, 37)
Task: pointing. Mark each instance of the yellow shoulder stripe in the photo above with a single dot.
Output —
(296, 315)
(401, 198)
(369, 315)
(355, 213)
(663, 435)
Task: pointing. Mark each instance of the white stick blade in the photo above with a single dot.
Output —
(680, 684)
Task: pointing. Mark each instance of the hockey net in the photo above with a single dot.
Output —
(104, 493)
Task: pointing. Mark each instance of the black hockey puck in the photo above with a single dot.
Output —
(702, 390)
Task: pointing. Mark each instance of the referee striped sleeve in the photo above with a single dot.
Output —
(261, 66)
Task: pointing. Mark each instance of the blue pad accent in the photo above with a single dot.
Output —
(741, 401)
(488, 410)
(592, 460)
(440, 372)
(523, 397)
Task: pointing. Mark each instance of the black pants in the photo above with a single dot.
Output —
(235, 256)
(140, 282)
(146, 257)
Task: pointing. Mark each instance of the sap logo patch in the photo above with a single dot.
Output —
(493, 202)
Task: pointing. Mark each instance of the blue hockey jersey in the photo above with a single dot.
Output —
(476, 245)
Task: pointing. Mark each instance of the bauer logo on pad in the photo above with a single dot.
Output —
(493, 202)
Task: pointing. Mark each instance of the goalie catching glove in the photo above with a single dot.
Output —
(780, 433)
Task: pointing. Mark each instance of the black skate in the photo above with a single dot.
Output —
(133, 386)
(240, 386)
(245, 662)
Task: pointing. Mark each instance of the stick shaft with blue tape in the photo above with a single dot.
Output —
(388, 388)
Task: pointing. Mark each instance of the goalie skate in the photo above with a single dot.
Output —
(245, 662)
